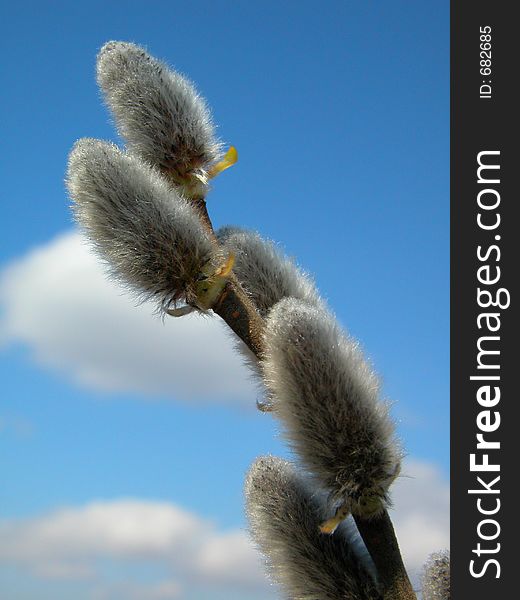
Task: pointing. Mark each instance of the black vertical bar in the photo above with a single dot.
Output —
(483, 119)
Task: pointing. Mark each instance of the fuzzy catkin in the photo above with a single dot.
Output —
(151, 237)
(436, 577)
(284, 516)
(264, 272)
(157, 111)
(267, 276)
(327, 397)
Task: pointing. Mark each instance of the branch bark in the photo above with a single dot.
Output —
(379, 537)
(237, 310)
(234, 306)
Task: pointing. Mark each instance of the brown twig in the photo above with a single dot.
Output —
(379, 537)
(237, 310)
(234, 306)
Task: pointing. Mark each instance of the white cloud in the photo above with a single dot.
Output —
(57, 301)
(63, 570)
(71, 543)
(421, 516)
(124, 528)
(164, 590)
(225, 558)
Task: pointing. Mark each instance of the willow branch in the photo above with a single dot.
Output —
(241, 315)
(379, 537)
(237, 310)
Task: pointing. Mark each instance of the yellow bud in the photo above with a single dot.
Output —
(209, 286)
(230, 158)
(331, 524)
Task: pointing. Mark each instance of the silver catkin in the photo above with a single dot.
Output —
(284, 516)
(157, 111)
(151, 237)
(327, 397)
(264, 272)
(436, 577)
(267, 276)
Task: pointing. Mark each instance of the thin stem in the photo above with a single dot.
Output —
(379, 537)
(234, 306)
(237, 310)
(202, 209)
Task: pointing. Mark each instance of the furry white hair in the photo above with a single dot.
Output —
(264, 272)
(284, 516)
(436, 577)
(157, 111)
(151, 237)
(327, 397)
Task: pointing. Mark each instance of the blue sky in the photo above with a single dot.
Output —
(341, 119)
